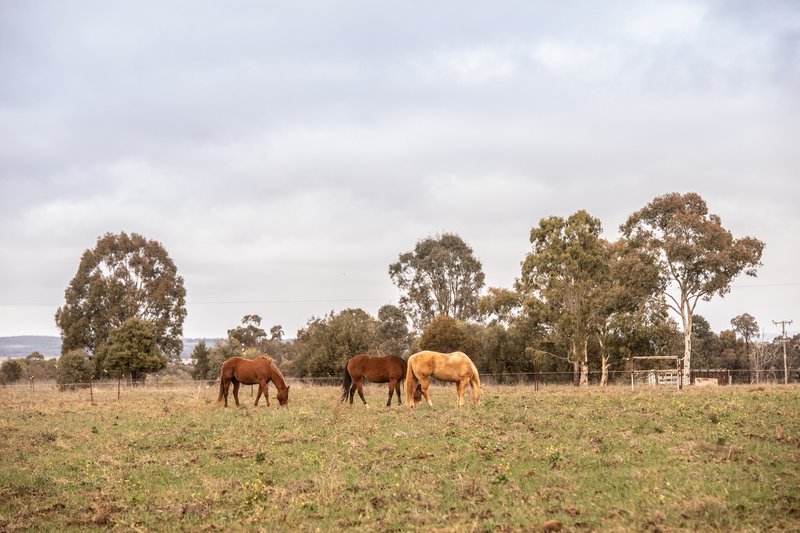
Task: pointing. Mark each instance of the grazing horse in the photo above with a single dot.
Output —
(376, 369)
(454, 367)
(260, 371)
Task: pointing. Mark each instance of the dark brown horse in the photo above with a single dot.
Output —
(376, 369)
(260, 371)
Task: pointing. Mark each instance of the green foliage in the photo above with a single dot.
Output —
(440, 277)
(393, 336)
(74, 368)
(746, 326)
(249, 333)
(131, 349)
(446, 334)
(222, 350)
(124, 276)
(200, 358)
(326, 343)
(11, 371)
(693, 251)
(276, 332)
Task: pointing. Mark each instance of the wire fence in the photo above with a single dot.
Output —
(535, 380)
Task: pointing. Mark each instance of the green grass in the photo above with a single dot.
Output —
(721, 459)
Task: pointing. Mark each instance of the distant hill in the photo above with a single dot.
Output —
(48, 346)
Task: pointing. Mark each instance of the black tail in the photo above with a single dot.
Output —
(346, 384)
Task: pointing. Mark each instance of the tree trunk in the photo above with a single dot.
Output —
(603, 362)
(687, 344)
(585, 364)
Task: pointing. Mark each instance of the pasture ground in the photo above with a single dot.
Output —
(723, 459)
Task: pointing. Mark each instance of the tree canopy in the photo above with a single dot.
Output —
(697, 257)
(123, 277)
(440, 277)
(131, 349)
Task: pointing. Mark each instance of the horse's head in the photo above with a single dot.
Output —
(476, 394)
(283, 396)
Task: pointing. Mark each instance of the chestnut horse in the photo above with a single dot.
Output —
(454, 367)
(260, 371)
(377, 369)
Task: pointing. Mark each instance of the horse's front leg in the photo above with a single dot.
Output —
(236, 392)
(399, 396)
(258, 395)
(460, 387)
(265, 385)
(423, 383)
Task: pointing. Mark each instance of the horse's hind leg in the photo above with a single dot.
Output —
(352, 392)
(361, 392)
(236, 392)
(226, 385)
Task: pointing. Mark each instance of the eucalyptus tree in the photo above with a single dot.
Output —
(747, 327)
(440, 277)
(392, 330)
(249, 332)
(122, 277)
(698, 258)
(626, 294)
(565, 270)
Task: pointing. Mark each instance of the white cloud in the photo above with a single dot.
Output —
(663, 21)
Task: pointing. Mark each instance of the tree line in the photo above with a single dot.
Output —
(582, 303)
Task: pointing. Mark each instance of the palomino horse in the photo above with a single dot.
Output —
(260, 371)
(376, 369)
(454, 367)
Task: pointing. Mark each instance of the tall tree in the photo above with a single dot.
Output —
(200, 356)
(276, 332)
(393, 337)
(249, 332)
(565, 269)
(626, 294)
(131, 349)
(441, 276)
(122, 277)
(747, 327)
(697, 256)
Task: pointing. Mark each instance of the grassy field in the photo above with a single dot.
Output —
(722, 459)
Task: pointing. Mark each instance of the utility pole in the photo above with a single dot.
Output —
(783, 324)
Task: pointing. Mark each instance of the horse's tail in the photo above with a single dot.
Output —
(346, 382)
(221, 385)
(411, 382)
(221, 388)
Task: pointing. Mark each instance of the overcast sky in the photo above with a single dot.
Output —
(285, 153)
